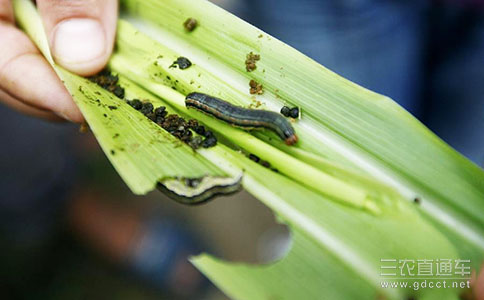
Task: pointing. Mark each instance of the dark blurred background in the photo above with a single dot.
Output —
(70, 228)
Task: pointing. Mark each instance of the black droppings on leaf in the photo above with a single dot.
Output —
(200, 130)
(192, 124)
(254, 158)
(285, 111)
(159, 120)
(265, 164)
(152, 117)
(208, 134)
(190, 24)
(109, 82)
(161, 111)
(261, 162)
(209, 142)
(119, 92)
(174, 124)
(294, 113)
(182, 62)
(255, 88)
(136, 104)
(251, 61)
(147, 108)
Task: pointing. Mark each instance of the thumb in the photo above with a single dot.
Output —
(80, 32)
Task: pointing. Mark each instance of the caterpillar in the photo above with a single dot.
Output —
(192, 191)
(243, 117)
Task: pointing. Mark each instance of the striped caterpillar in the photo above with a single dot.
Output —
(243, 117)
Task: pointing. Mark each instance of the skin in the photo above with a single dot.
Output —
(478, 284)
(27, 82)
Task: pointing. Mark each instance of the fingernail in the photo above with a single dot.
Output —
(77, 41)
(62, 115)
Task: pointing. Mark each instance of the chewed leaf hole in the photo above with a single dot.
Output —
(274, 244)
(236, 228)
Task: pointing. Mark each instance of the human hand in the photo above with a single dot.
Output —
(81, 36)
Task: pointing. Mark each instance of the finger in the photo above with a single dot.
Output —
(479, 285)
(81, 32)
(26, 75)
(27, 109)
(6, 11)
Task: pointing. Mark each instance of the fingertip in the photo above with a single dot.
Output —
(72, 114)
(81, 33)
(61, 101)
(28, 77)
(80, 45)
(43, 87)
(26, 109)
(6, 11)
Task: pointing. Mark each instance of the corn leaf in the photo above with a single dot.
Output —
(340, 119)
(309, 211)
(325, 249)
(346, 189)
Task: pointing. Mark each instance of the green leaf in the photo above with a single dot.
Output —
(355, 245)
(346, 189)
(323, 276)
(341, 121)
(351, 243)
